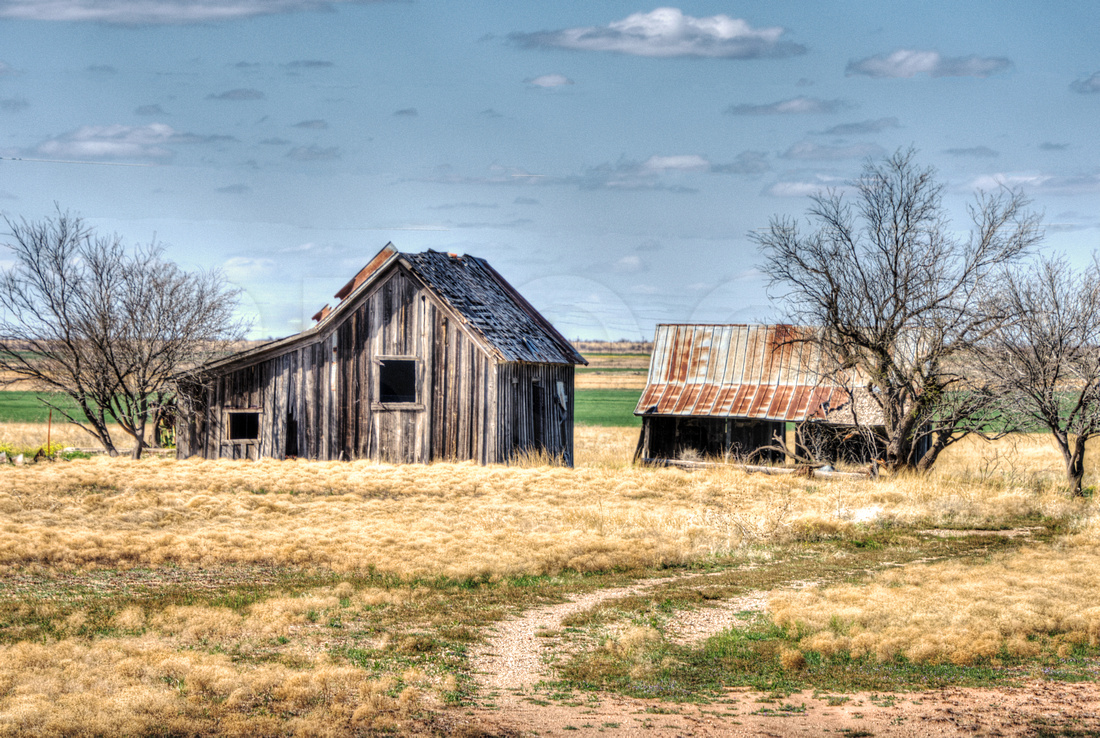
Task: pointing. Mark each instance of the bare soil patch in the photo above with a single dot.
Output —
(1039, 708)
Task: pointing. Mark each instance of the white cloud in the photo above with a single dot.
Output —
(812, 185)
(810, 151)
(683, 163)
(114, 142)
(793, 106)
(655, 173)
(668, 32)
(1087, 85)
(1055, 184)
(549, 81)
(243, 268)
(154, 12)
(111, 142)
(911, 62)
(7, 70)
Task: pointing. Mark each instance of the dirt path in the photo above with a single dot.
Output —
(514, 661)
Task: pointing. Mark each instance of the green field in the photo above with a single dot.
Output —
(609, 407)
(594, 407)
(25, 407)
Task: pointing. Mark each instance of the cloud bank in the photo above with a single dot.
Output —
(118, 142)
(668, 32)
(906, 63)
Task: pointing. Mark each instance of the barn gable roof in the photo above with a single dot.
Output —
(761, 372)
(509, 326)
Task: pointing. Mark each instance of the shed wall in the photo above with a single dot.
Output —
(532, 414)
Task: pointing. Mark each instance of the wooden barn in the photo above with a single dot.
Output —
(424, 357)
(729, 391)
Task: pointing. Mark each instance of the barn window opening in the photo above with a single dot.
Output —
(397, 381)
(244, 426)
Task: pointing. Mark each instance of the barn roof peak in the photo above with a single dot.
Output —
(486, 302)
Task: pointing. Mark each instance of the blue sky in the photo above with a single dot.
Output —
(609, 158)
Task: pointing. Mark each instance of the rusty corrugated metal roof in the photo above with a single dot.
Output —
(765, 372)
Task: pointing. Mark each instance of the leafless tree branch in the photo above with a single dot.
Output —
(114, 329)
(899, 299)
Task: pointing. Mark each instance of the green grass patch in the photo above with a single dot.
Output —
(607, 407)
(21, 406)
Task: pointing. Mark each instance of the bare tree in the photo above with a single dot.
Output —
(112, 328)
(1047, 360)
(900, 300)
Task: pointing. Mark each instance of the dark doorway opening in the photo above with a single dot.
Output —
(538, 417)
(291, 436)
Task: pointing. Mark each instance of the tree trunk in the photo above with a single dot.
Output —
(139, 440)
(1075, 466)
(1074, 456)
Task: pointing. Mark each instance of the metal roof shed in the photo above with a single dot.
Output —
(730, 390)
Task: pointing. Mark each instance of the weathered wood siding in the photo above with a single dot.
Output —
(321, 396)
(530, 416)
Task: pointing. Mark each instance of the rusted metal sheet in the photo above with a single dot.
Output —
(388, 252)
(763, 372)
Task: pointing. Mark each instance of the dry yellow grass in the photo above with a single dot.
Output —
(953, 611)
(205, 669)
(963, 612)
(611, 380)
(1014, 458)
(33, 435)
(149, 686)
(456, 519)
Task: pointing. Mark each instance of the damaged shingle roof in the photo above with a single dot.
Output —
(511, 327)
(493, 308)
